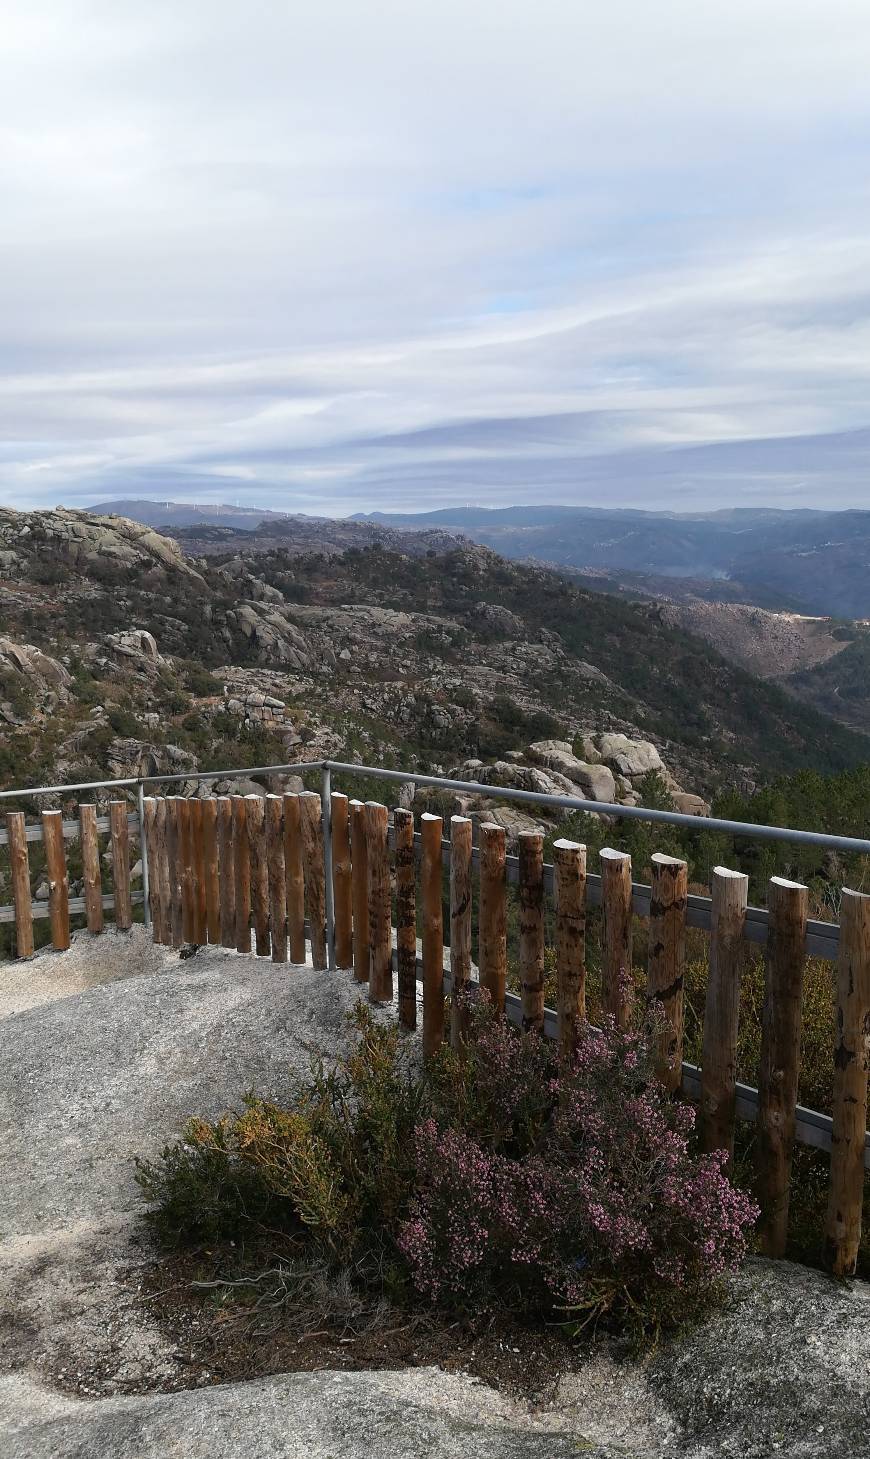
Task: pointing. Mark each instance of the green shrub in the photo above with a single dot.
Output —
(490, 1178)
(199, 680)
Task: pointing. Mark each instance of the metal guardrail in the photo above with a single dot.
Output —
(70, 829)
(76, 905)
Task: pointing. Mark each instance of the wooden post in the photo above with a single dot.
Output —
(120, 864)
(242, 872)
(188, 901)
(360, 875)
(460, 928)
(380, 911)
(851, 1065)
(160, 870)
(174, 858)
(20, 859)
(255, 819)
(149, 809)
(315, 881)
(277, 877)
(666, 962)
(492, 921)
(92, 880)
(227, 873)
(342, 882)
(174, 868)
(433, 934)
(569, 866)
(295, 880)
(531, 898)
(616, 953)
(198, 872)
(58, 881)
(780, 1057)
(730, 890)
(210, 859)
(406, 917)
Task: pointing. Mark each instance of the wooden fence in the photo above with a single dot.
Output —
(238, 870)
(58, 906)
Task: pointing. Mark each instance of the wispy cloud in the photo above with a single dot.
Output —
(337, 257)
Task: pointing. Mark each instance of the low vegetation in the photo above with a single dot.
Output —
(494, 1179)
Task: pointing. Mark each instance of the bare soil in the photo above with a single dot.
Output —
(221, 1342)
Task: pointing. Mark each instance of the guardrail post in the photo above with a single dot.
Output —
(326, 800)
(143, 852)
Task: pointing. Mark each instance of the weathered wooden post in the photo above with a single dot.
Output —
(433, 933)
(666, 962)
(20, 860)
(360, 872)
(569, 865)
(198, 874)
(406, 917)
(616, 962)
(188, 899)
(531, 897)
(277, 877)
(58, 881)
(226, 856)
(851, 1065)
(93, 885)
(380, 921)
(255, 819)
(315, 877)
(242, 872)
(730, 891)
(210, 862)
(174, 856)
(121, 864)
(160, 873)
(149, 835)
(780, 1057)
(175, 849)
(342, 887)
(492, 920)
(295, 877)
(460, 928)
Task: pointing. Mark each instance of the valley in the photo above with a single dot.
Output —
(122, 654)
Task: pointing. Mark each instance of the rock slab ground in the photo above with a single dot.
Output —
(105, 1051)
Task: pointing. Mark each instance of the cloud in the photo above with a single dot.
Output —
(352, 257)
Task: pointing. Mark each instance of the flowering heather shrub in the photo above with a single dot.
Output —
(593, 1204)
(495, 1176)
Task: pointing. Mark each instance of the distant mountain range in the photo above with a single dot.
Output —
(801, 561)
(419, 658)
(188, 514)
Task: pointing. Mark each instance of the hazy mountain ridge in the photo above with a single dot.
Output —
(206, 530)
(803, 561)
(172, 661)
(782, 644)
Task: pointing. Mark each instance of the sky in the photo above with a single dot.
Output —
(334, 256)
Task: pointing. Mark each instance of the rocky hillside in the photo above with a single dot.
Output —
(801, 561)
(212, 529)
(822, 661)
(121, 655)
